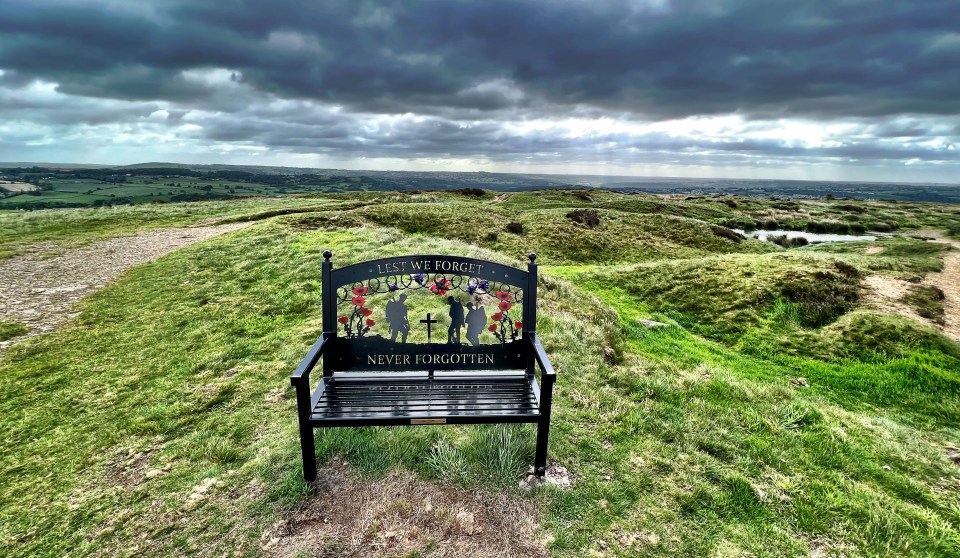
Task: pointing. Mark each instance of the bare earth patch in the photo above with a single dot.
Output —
(949, 282)
(886, 293)
(40, 287)
(872, 250)
(401, 515)
(128, 469)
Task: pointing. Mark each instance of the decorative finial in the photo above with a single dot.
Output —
(327, 254)
(532, 256)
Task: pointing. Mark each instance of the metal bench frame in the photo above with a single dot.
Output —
(479, 394)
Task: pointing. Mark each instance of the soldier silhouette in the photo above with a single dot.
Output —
(476, 320)
(396, 313)
(456, 320)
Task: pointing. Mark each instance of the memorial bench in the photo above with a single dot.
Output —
(373, 377)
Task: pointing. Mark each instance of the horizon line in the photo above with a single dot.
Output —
(10, 164)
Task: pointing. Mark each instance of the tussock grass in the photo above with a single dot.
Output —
(495, 455)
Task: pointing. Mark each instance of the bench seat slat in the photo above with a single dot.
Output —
(380, 390)
(424, 412)
(418, 392)
(392, 401)
(436, 384)
(424, 415)
(403, 406)
(407, 401)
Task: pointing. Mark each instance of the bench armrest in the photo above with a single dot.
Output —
(546, 367)
(302, 373)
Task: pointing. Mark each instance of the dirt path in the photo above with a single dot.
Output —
(39, 291)
(886, 293)
(949, 282)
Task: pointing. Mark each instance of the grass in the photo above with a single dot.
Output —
(692, 439)
(927, 300)
(9, 330)
(549, 232)
(902, 255)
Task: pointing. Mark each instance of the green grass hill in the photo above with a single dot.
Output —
(776, 413)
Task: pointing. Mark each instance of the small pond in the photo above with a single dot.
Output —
(812, 237)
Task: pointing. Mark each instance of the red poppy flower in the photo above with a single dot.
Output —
(492, 327)
(518, 325)
(371, 323)
(503, 295)
(504, 305)
(358, 301)
(365, 311)
(497, 317)
(360, 291)
(343, 319)
(439, 288)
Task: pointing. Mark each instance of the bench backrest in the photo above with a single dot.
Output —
(480, 314)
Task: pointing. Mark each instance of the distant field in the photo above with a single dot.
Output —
(83, 187)
(17, 186)
(86, 192)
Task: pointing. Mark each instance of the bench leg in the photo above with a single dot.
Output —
(543, 427)
(540, 462)
(309, 453)
(307, 447)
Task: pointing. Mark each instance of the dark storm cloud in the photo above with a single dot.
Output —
(812, 58)
(460, 79)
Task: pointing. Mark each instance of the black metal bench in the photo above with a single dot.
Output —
(373, 377)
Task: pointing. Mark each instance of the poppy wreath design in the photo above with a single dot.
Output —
(358, 322)
(503, 326)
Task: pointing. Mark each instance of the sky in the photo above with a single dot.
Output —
(861, 90)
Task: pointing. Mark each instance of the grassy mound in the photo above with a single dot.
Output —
(620, 237)
(896, 254)
(871, 336)
(724, 296)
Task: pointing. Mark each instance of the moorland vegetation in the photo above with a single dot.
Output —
(774, 410)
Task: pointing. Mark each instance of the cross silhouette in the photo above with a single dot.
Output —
(429, 322)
